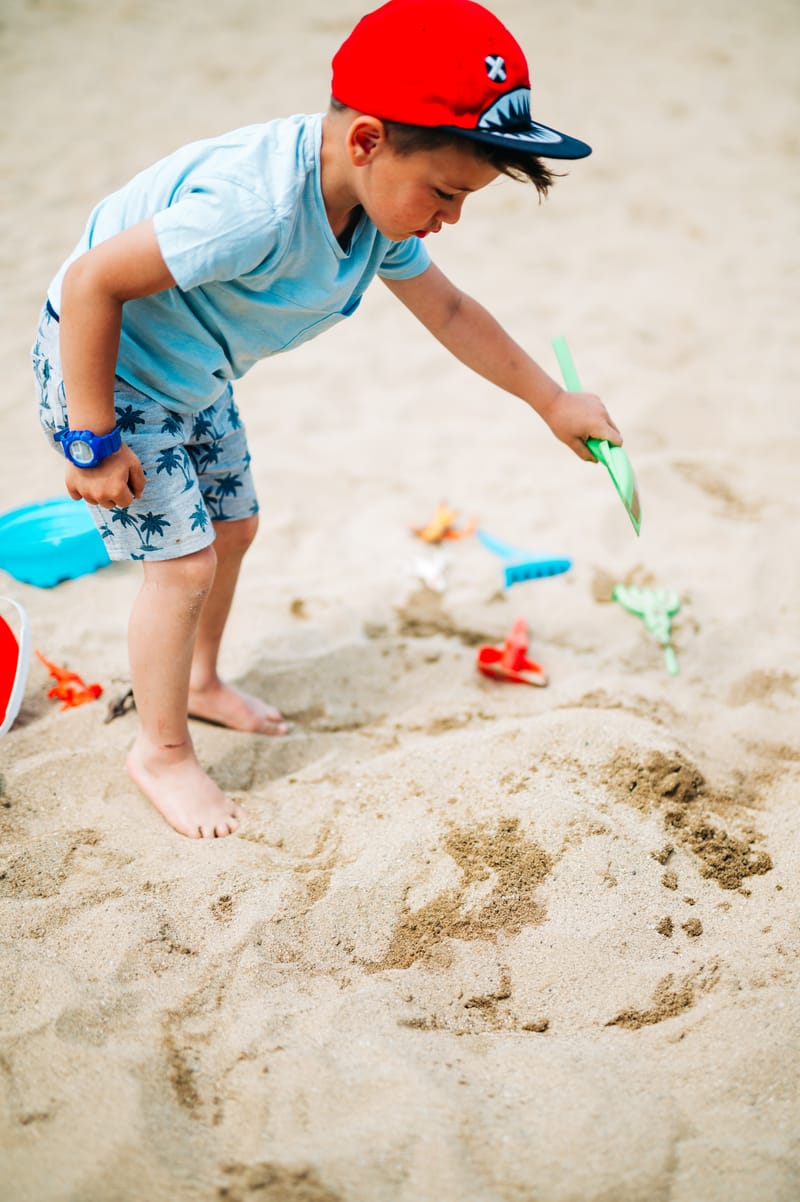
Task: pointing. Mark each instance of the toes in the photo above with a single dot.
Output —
(228, 827)
(274, 726)
(225, 826)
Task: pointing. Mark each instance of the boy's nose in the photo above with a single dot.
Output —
(451, 213)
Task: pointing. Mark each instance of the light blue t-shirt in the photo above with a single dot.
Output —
(242, 226)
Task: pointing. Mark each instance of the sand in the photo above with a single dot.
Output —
(477, 942)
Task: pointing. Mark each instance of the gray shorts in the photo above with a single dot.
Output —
(197, 466)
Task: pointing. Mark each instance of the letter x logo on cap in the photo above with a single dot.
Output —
(495, 67)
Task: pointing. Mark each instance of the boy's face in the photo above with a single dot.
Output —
(418, 193)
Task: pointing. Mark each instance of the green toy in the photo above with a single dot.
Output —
(612, 457)
(656, 607)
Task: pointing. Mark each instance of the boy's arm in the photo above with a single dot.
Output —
(95, 288)
(471, 334)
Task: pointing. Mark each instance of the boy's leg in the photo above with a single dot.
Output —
(172, 516)
(209, 697)
(162, 632)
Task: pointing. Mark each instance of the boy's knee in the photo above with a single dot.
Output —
(199, 570)
(190, 573)
(237, 535)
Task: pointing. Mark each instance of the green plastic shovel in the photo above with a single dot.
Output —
(612, 457)
(655, 606)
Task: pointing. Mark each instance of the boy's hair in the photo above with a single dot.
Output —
(408, 139)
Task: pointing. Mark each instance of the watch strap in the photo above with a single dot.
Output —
(102, 445)
(107, 444)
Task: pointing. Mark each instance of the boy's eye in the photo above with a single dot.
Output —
(444, 195)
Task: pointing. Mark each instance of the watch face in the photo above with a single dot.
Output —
(81, 452)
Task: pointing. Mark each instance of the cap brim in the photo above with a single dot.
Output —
(541, 140)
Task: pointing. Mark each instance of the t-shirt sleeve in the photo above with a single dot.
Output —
(404, 260)
(217, 231)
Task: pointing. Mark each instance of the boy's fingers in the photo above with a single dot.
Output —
(108, 493)
(605, 428)
(136, 479)
(582, 451)
(616, 435)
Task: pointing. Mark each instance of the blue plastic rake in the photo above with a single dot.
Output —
(520, 565)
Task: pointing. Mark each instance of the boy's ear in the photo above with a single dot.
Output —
(365, 137)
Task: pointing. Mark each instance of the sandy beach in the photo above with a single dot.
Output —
(477, 941)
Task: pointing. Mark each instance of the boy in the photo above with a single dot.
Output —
(231, 250)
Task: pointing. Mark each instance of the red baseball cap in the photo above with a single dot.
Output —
(445, 63)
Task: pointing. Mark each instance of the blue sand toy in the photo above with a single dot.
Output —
(519, 565)
(51, 541)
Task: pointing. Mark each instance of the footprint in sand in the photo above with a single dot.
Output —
(670, 998)
(718, 488)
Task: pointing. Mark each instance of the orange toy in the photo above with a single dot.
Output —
(510, 662)
(71, 690)
(441, 527)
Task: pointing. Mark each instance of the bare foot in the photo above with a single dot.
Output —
(181, 791)
(228, 706)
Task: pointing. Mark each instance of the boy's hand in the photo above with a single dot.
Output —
(575, 416)
(114, 483)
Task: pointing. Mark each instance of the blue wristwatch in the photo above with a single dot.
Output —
(85, 449)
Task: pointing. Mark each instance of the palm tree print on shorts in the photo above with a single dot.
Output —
(232, 414)
(176, 459)
(128, 418)
(42, 372)
(172, 424)
(148, 527)
(199, 516)
(226, 486)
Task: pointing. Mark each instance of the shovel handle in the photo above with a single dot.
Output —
(568, 370)
(598, 447)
